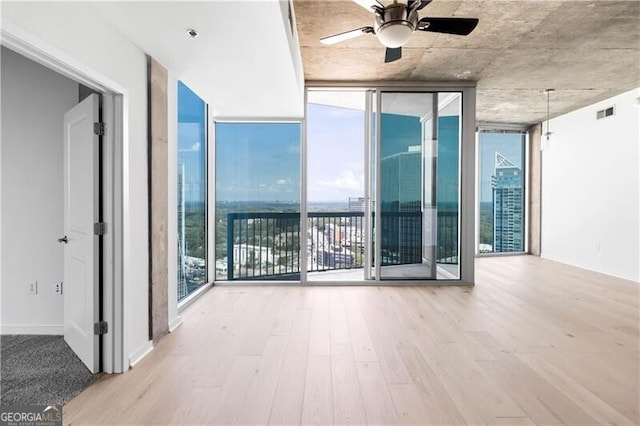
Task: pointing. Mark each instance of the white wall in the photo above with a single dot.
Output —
(34, 100)
(75, 34)
(591, 189)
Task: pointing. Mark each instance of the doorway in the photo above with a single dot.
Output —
(37, 292)
(401, 172)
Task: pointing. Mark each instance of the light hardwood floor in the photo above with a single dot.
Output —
(534, 342)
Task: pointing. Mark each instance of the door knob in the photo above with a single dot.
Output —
(63, 240)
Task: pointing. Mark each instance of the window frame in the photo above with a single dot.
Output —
(504, 128)
(467, 175)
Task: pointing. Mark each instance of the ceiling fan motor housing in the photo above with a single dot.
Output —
(394, 25)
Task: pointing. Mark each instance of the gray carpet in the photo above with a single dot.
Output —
(40, 370)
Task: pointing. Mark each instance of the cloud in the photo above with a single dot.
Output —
(193, 148)
(281, 182)
(346, 180)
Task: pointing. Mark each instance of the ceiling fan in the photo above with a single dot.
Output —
(393, 25)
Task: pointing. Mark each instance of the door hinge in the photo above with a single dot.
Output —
(101, 327)
(98, 128)
(99, 228)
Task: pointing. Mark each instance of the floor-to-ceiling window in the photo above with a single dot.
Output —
(192, 191)
(501, 175)
(257, 229)
(373, 190)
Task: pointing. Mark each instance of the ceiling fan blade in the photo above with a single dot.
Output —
(392, 54)
(459, 26)
(369, 4)
(347, 35)
(419, 4)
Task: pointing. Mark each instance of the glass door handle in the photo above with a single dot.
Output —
(63, 240)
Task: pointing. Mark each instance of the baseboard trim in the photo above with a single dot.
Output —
(140, 353)
(175, 323)
(33, 329)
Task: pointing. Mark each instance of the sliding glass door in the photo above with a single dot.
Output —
(419, 156)
(383, 192)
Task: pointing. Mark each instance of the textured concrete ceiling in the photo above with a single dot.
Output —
(585, 50)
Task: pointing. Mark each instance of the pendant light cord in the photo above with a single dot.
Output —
(548, 133)
(548, 94)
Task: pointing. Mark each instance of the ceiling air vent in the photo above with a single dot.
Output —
(604, 113)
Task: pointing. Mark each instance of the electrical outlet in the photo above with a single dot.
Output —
(32, 287)
(58, 287)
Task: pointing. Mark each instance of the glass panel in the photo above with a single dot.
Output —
(401, 157)
(419, 174)
(501, 170)
(257, 201)
(370, 175)
(448, 188)
(336, 177)
(192, 192)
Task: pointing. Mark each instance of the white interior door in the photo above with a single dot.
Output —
(81, 211)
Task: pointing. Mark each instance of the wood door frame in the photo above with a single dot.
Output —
(114, 101)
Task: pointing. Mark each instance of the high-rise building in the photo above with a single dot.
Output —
(356, 204)
(193, 176)
(508, 206)
(182, 279)
(401, 207)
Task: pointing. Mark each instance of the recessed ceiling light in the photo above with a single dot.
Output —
(192, 33)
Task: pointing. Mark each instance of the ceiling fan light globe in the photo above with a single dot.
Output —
(394, 34)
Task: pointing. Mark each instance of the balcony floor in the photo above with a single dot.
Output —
(399, 272)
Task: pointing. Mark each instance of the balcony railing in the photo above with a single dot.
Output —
(336, 241)
(448, 237)
(266, 246)
(263, 246)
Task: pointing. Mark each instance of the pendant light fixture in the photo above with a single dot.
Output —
(548, 133)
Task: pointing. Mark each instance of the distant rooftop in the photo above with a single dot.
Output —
(503, 162)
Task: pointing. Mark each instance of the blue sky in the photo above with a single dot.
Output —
(335, 141)
(261, 161)
(191, 142)
(258, 162)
